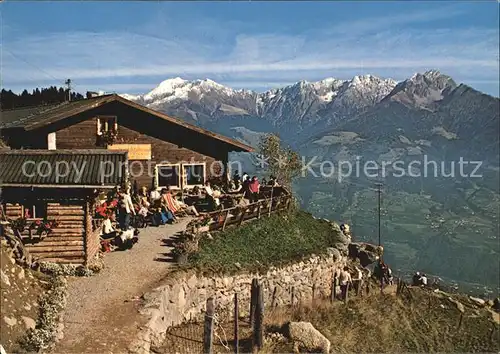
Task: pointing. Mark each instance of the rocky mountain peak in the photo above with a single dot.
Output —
(422, 90)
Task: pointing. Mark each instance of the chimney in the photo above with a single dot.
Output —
(92, 94)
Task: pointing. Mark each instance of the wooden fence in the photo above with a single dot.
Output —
(238, 214)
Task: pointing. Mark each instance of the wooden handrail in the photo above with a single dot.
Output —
(262, 201)
(254, 209)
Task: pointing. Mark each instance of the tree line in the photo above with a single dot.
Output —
(38, 97)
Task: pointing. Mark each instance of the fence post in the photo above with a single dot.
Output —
(293, 295)
(253, 301)
(242, 216)
(209, 327)
(225, 220)
(258, 329)
(236, 325)
(258, 211)
(333, 294)
(271, 201)
(273, 301)
(460, 321)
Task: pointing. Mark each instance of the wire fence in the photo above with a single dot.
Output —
(241, 329)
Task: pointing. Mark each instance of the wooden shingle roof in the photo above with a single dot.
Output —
(31, 119)
(62, 168)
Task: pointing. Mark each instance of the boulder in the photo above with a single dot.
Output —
(477, 301)
(29, 323)
(458, 304)
(20, 275)
(366, 253)
(335, 253)
(303, 334)
(10, 321)
(4, 278)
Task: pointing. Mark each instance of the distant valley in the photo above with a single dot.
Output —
(440, 224)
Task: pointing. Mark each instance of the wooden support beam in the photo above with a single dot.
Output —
(209, 327)
(77, 260)
(258, 329)
(56, 248)
(236, 325)
(58, 254)
(45, 244)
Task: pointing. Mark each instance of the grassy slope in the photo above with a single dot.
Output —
(275, 240)
(390, 324)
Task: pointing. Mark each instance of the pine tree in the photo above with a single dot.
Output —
(38, 97)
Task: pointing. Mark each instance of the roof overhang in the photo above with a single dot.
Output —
(115, 98)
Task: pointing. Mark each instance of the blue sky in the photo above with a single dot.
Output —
(130, 47)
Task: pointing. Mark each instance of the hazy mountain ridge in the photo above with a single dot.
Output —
(428, 223)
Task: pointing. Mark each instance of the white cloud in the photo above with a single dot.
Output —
(385, 46)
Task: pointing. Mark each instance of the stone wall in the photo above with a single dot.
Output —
(184, 297)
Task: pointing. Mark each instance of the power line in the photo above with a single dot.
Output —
(39, 69)
(32, 65)
(379, 194)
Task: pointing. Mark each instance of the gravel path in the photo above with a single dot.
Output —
(101, 314)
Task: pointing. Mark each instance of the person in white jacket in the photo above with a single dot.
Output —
(125, 208)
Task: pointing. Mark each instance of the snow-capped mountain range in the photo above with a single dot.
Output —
(302, 110)
(358, 92)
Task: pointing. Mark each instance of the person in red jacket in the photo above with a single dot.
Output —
(254, 188)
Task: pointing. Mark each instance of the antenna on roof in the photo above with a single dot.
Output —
(68, 83)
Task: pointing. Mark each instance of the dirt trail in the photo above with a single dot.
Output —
(101, 314)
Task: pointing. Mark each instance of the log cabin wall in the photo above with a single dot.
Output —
(13, 211)
(66, 242)
(82, 134)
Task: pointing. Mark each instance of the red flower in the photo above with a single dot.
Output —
(38, 222)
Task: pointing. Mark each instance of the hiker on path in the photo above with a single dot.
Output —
(390, 278)
(125, 208)
(423, 280)
(358, 282)
(417, 279)
(345, 280)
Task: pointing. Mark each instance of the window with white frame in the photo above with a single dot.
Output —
(168, 175)
(107, 124)
(194, 174)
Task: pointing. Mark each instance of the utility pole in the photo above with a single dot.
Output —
(379, 193)
(68, 84)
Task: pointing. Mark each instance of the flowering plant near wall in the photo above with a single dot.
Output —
(19, 224)
(103, 208)
(43, 226)
(107, 138)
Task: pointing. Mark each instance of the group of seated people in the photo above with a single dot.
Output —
(419, 279)
(159, 207)
(250, 187)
